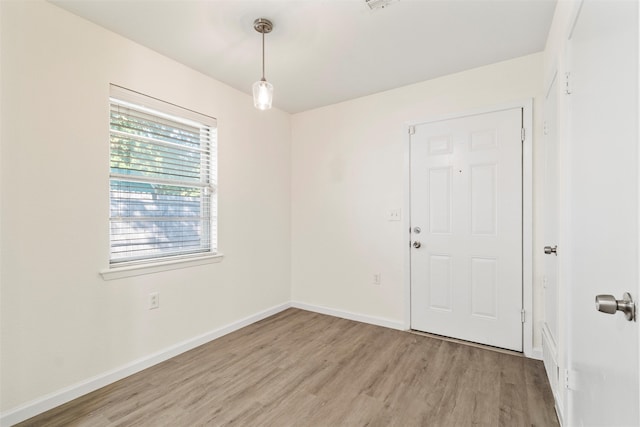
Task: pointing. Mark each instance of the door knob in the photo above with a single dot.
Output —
(608, 304)
(551, 250)
(417, 244)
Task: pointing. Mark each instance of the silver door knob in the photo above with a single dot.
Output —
(417, 244)
(551, 250)
(608, 304)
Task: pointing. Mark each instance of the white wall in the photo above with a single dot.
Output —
(61, 323)
(348, 171)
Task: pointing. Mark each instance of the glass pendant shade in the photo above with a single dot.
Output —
(262, 94)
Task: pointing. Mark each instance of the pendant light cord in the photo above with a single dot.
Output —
(263, 54)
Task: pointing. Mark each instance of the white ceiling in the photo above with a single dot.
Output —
(326, 51)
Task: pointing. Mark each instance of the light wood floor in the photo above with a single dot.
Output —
(299, 368)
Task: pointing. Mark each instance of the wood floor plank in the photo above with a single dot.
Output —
(299, 368)
(537, 395)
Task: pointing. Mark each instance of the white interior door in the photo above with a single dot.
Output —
(466, 214)
(603, 213)
(551, 212)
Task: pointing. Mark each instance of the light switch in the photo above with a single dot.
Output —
(394, 215)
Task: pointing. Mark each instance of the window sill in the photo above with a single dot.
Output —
(156, 267)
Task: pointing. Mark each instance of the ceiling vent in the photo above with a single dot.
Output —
(378, 4)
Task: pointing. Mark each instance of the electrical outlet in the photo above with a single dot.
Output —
(376, 278)
(154, 300)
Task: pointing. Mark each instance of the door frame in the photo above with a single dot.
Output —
(527, 212)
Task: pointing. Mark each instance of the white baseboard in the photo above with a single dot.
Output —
(552, 368)
(67, 394)
(536, 353)
(379, 321)
(559, 414)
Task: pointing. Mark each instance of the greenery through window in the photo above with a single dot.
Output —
(162, 180)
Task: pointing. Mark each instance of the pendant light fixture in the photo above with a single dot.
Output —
(262, 89)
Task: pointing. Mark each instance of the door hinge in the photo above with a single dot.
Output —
(570, 378)
(522, 315)
(412, 130)
(567, 83)
(522, 134)
(545, 128)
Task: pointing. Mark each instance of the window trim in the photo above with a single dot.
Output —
(131, 268)
(150, 267)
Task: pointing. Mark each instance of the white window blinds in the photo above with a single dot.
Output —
(163, 169)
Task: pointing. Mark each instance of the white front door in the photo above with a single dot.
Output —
(603, 213)
(466, 218)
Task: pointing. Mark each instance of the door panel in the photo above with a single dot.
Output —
(603, 217)
(484, 287)
(440, 200)
(551, 211)
(440, 286)
(466, 197)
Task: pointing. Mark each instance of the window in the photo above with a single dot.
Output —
(163, 163)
